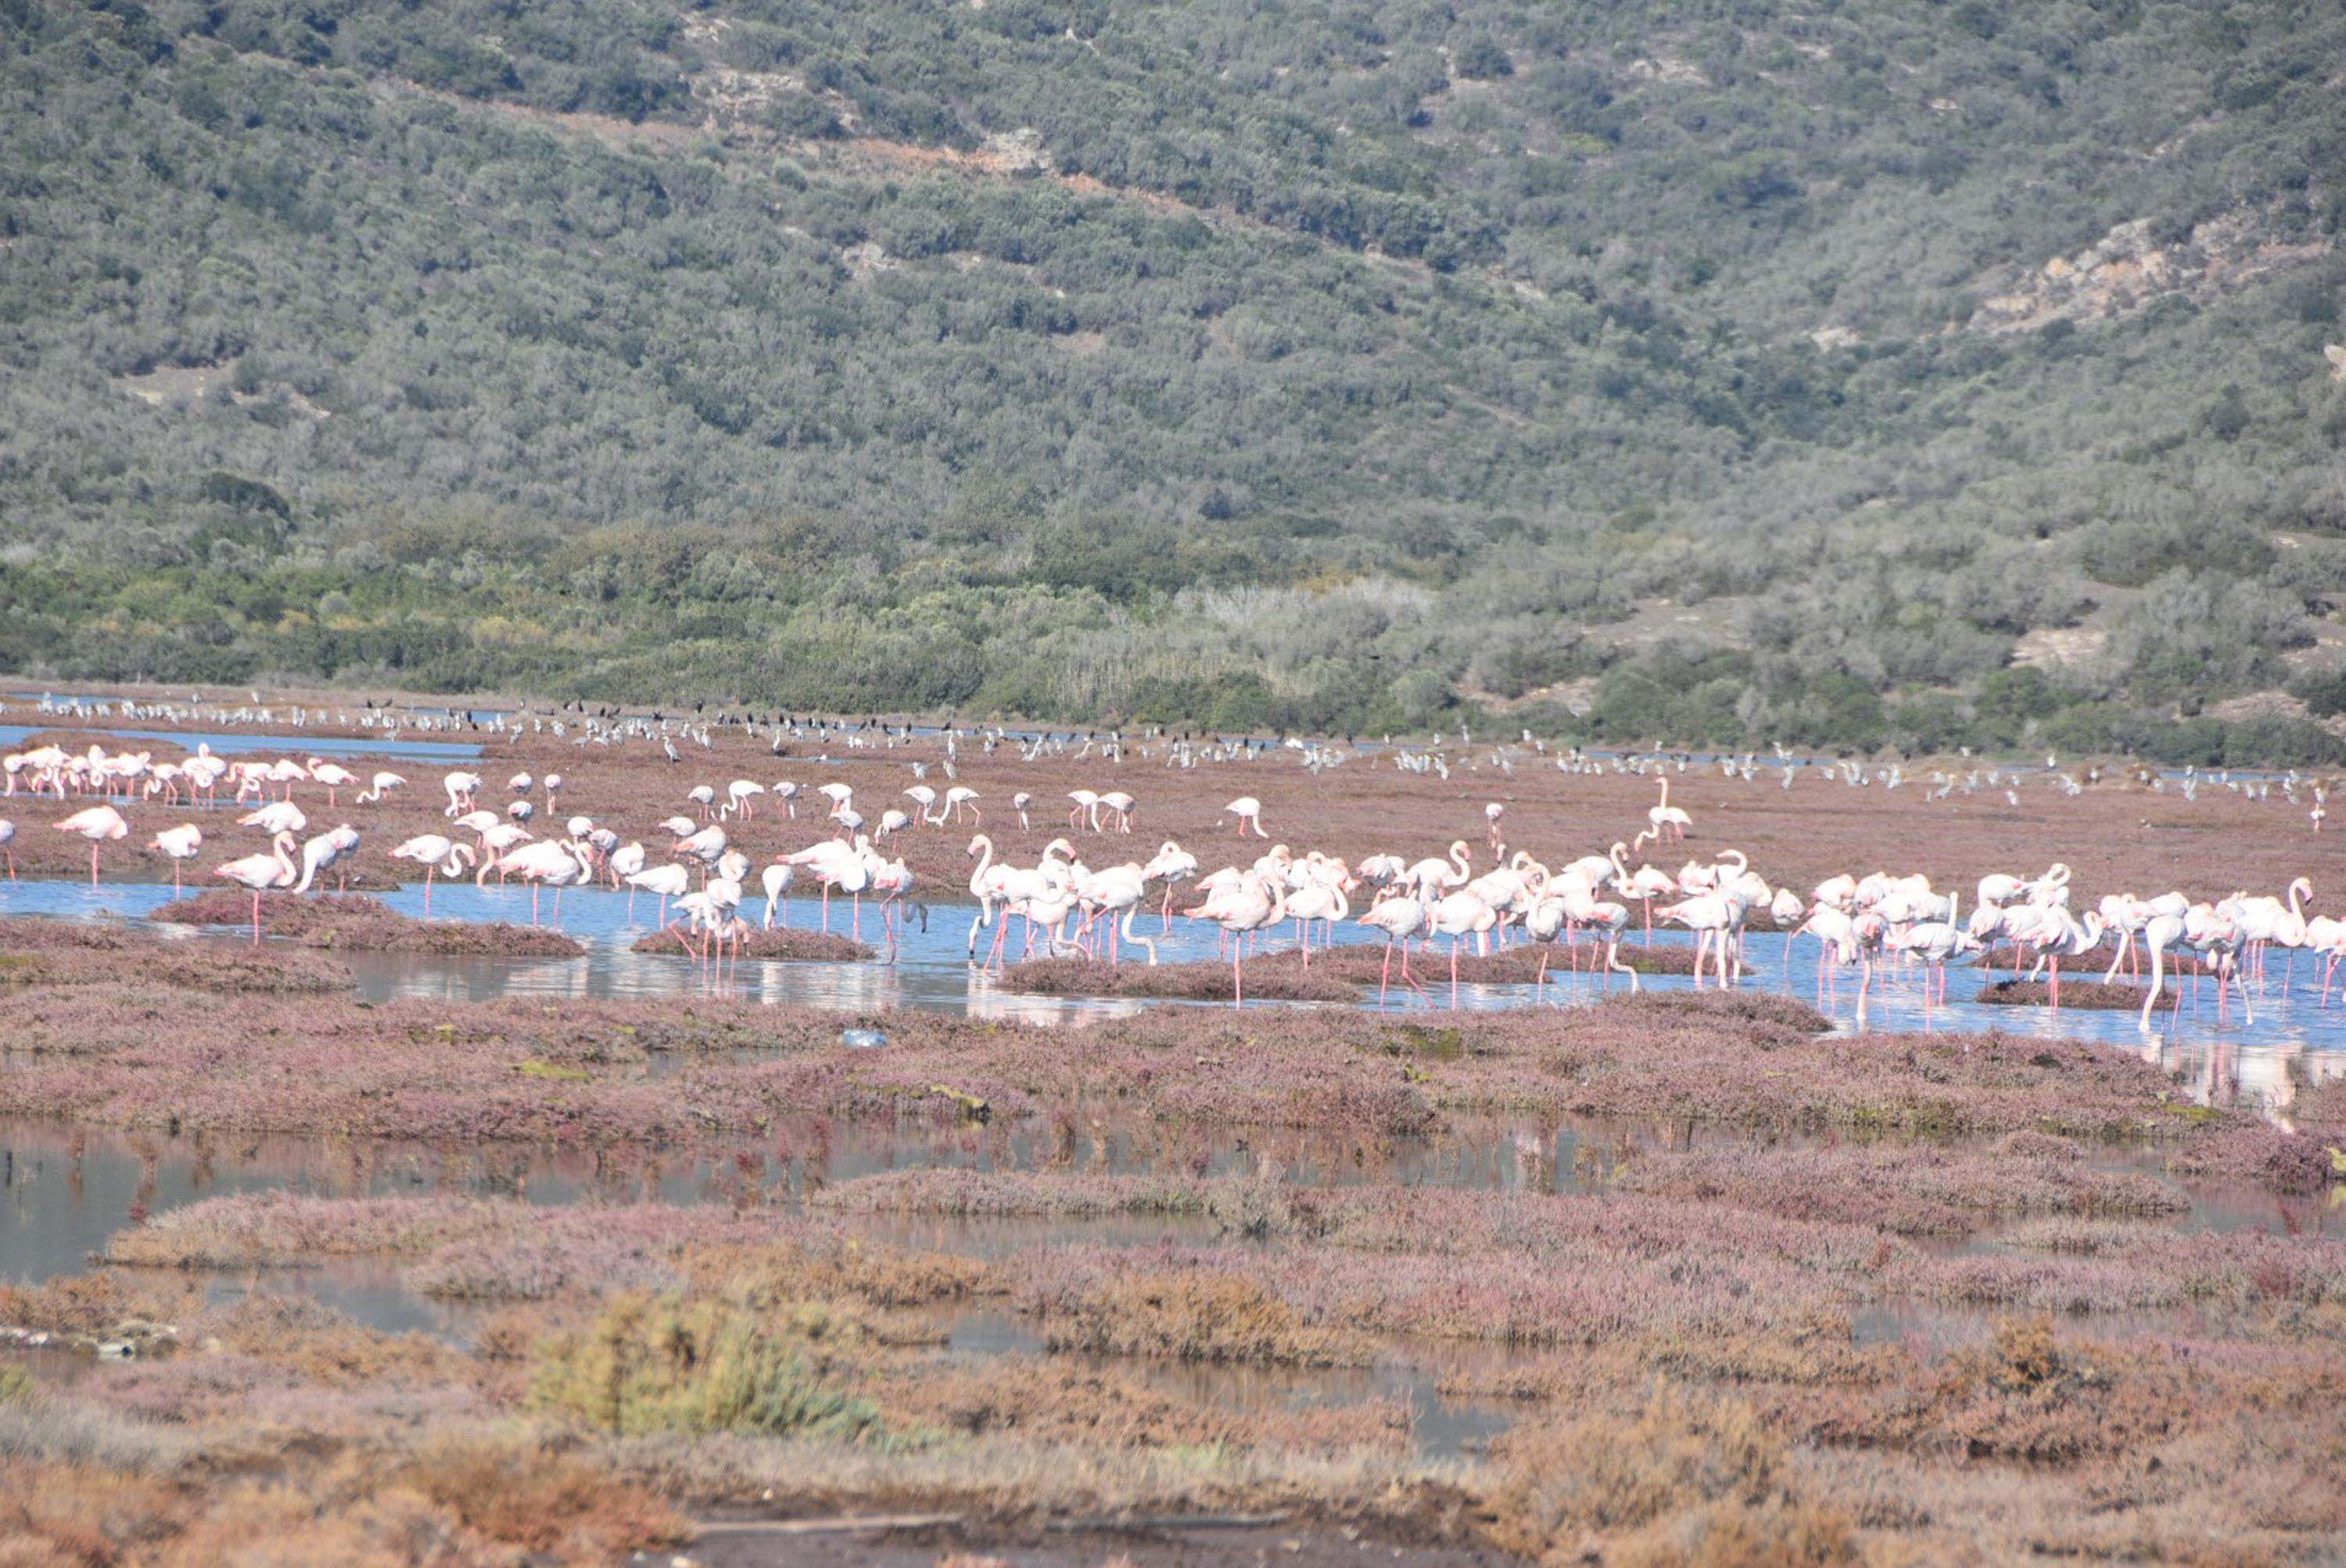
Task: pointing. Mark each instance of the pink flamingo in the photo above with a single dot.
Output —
(181, 844)
(98, 824)
(1400, 917)
(257, 873)
(1250, 904)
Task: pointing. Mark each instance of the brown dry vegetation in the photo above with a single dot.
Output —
(1806, 1299)
(51, 952)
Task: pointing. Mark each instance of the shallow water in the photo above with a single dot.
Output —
(233, 743)
(64, 1190)
(2293, 1040)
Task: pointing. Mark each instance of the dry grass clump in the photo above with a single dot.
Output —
(1194, 1315)
(784, 943)
(475, 1508)
(1692, 1479)
(98, 1305)
(320, 1346)
(540, 1499)
(281, 1230)
(1051, 1400)
(2027, 1396)
(358, 923)
(2311, 1157)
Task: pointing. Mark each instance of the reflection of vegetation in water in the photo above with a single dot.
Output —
(1322, 370)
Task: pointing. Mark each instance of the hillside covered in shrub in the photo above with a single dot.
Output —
(1851, 374)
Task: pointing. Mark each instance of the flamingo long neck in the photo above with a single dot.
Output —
(1666, 790)
(1458, 857)
(984, 863)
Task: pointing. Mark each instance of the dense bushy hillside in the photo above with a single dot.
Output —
(1917, 375)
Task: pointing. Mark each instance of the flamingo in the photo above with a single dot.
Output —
(1171, 865)
(1668, 821)
(98, 824)
(497, 842)
(8, 845)
(1435, 875)
(1250, 904)
(839, 867)
(257, 873)
(461, 788)
(707, 846)
(1315, 901)
(777, 879)
(1114, 892)
(276, 817)
(333, 776)
(1019, 803)
(181, 844)
(894, 881)
(1936, 944)
(383, 784)
(438, 856)
(961, 795)
(1712, 917)
(1580, 906)
(558, 863)
(1086, 806)
(1461, 914)
(1645, 885)
(1123, 805)
(670, 881)
(2070, 939)
(1400, 916)
(622, 862)
(324, 850)
(1249, 812)
(984, 885)
(741, 796)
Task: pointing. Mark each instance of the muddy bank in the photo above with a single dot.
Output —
(2089, 994)
(1275, 977)
(2117, 833)
(792, 943)
(48, 952)
(1336, 973)
(363, 924)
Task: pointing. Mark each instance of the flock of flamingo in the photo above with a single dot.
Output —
(1071, 907)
